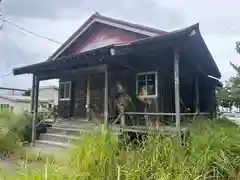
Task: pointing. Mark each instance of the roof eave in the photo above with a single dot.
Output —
(63, 60)
(218, 73)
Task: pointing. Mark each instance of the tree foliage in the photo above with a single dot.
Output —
(229, 94)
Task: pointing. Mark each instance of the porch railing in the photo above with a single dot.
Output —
(122, 119)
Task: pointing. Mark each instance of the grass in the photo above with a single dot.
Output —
(210, 151)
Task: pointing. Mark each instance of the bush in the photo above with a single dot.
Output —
(211, 151)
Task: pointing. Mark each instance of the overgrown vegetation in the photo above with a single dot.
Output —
(211, 151)
(13, 130)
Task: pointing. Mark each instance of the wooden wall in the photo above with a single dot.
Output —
(77, 105)
(163, 64)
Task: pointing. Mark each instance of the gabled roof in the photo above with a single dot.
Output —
(96, 17)
(193, 40)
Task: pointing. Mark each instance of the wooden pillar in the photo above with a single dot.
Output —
(214, 104)
(197, 104)
(122, 119)
(35, 110)
(32, 95)
(88, 98)
(177, 96)
(106, 99)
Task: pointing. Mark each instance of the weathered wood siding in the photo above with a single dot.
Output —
(79, 96)
(76, 107)
(164, 102)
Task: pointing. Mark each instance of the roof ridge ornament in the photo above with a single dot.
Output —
(193, 32)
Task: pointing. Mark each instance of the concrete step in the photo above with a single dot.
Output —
(76, 126)
(46, 150)
(72, 121)
(66, 131)
(51, 145)
(66, 121)
(57, 138)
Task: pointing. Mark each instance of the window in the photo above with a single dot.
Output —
(146, 84)
(65, 90)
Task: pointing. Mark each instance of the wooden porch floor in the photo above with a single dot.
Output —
(164, 129)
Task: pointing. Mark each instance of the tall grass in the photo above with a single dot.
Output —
(210, 151)
(12, 130)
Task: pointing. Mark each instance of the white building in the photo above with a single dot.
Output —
(17, 103)
(49, 92)
(21, 104)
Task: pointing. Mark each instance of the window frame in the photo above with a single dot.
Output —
(70, 89)
(156, 83)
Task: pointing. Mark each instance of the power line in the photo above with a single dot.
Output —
(5, 75)
(31, 32)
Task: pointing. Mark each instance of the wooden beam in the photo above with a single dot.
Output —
(197, 104)
(36, 93)
(150, 113)
(123, 120)
(165, 114)
(214, 103)
(88, 98)
(32, 94)
(106, 99)
(72, 72)
(176, 84)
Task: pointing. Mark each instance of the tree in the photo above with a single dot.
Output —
(236, 67)
(229, 94)
(224, 97)
(232, 87)
(238, 47)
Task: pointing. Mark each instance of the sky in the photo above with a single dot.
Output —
(58, 19)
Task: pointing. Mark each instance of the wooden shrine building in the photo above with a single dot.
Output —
(111, 68)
